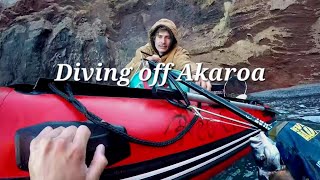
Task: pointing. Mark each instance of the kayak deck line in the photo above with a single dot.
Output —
(203, 99)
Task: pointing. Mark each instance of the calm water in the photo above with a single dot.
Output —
(300, 103)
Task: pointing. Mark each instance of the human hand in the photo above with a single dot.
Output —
(203, 83)
(154, 57)
(60, 154)
(266, 154)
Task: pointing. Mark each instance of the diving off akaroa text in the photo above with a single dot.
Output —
(66, 72)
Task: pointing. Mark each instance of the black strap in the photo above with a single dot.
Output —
(97, 120)
(243, 114)
(177, 102)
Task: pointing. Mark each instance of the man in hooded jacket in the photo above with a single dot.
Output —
(163, 47)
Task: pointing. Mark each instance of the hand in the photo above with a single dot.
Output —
(60, 154)
(205, 84)
(154, 57)
(266, 155)
(265, 150)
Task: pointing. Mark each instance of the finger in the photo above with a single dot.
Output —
(255, 140)
(82, 136)
(45, 131)
(54, 133)
(158, 59)
(208, 86)
(98, 163)
(68, 133)
(197, 83)
(203, 84)
(149, 58)
(45, 137)
(34, 143)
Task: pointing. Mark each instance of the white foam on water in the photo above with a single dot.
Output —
(248, 174)
(312, 118)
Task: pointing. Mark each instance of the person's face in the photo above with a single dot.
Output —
(162, 41)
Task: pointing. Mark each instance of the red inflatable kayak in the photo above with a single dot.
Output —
(208, 142)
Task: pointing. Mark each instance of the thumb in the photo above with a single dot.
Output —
(98, 163)
(254, 140)
(265, 140)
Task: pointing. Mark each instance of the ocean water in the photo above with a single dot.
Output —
(299, 103)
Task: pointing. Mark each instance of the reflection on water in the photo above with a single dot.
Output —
(300, 103)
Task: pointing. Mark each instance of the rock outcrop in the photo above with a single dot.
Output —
(34, 43)
(281, 36)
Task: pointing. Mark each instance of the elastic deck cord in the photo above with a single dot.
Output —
(97, 120)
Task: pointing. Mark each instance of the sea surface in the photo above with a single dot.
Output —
(299, 103)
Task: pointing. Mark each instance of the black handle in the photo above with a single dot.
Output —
(116, 147)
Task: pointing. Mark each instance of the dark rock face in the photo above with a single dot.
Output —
(282, 37)
(32, 47)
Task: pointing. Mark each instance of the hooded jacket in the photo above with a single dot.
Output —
(176, 54)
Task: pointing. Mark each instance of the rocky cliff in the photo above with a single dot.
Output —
(282, 36)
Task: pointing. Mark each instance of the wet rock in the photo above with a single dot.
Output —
(7, 3)
(32, 47)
